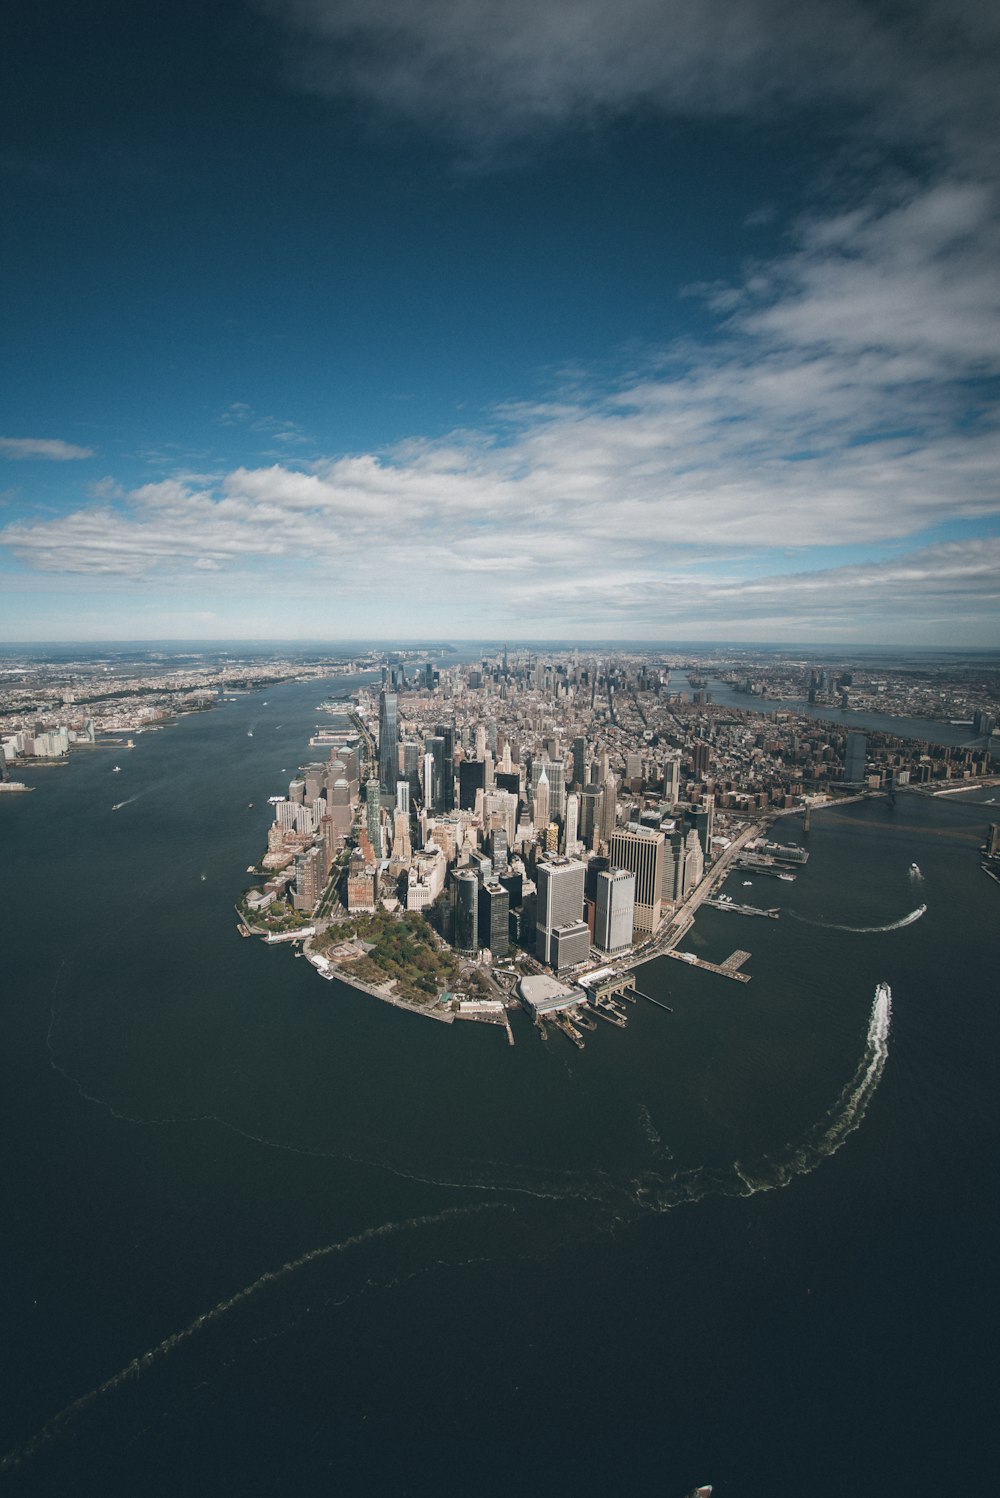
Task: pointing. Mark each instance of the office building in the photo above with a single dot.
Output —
(466, 911)
(560, 900)
(569, 945)
(494, 918)
(388, 742)
(614, 910)
(640, 850)
(471, 778)
(854, 758)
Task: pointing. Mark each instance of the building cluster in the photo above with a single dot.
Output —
(947, 692)
(557, 807)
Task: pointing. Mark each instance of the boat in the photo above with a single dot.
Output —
(249, 733)
(687, 956)
(748, 884)
(788, 878)
(116, 769)
(915, 869)
(249, 806)
(705, 1491)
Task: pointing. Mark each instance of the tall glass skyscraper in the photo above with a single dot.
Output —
(388, 743)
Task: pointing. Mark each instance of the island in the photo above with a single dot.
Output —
(520, 830)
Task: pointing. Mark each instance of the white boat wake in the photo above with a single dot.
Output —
(649, 1193)
(822, 1140)
(907, 920)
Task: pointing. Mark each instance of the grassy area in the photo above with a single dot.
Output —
(402, 947)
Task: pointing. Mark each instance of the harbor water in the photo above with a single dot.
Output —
(264, 1234)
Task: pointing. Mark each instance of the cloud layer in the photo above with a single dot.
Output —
(839, 410)
(50, 449)
(490, 68)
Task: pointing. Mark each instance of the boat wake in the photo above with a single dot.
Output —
(907, 920)
(650, 1192)
(119, 804)
(60, 1424)
(822, 1140)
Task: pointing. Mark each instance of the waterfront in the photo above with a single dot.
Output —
(471, 1248)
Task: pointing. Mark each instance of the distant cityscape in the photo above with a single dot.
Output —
(551, 815)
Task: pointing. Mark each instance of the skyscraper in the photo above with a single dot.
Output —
(614, 910)
(466, 911)
(541, 808)
(560, 900)
(388, 742)
(854, 758)
(640, 850)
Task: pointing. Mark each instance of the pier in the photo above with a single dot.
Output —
(728, 969)
(771, 914)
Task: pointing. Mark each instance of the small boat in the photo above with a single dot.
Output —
(915, 869)
(116, 769)
(249, 806)
(748, 884)
(249, 733)
(705, 1491)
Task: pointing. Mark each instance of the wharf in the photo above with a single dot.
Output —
(771, 914)
(728, 969)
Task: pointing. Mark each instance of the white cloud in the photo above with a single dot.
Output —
(49, 448)
(810, 425)
(494, 68)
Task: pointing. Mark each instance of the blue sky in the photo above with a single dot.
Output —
(653, 319)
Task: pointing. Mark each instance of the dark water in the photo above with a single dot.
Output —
(748, 1243)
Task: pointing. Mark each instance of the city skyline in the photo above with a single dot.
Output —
(654, 321)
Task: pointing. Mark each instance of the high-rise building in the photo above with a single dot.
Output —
(403, 796)
(572, 814)
(609, 808)
(560, 900)
(388, 742)
(446, 732)
(580, 762)
(541, 807)
(466, 911)
(471, 778)
(570, 945)
(614, 910)
(373, 815)
(555, 773)
(434, 746)
(494, 918)
(640, 850)
(854, 758)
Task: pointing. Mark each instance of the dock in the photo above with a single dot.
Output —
(728, 969)
(771, 914)
(658, 1002)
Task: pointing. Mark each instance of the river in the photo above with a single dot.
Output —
(266, 1235)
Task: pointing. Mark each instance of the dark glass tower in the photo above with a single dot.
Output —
(388, 743)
